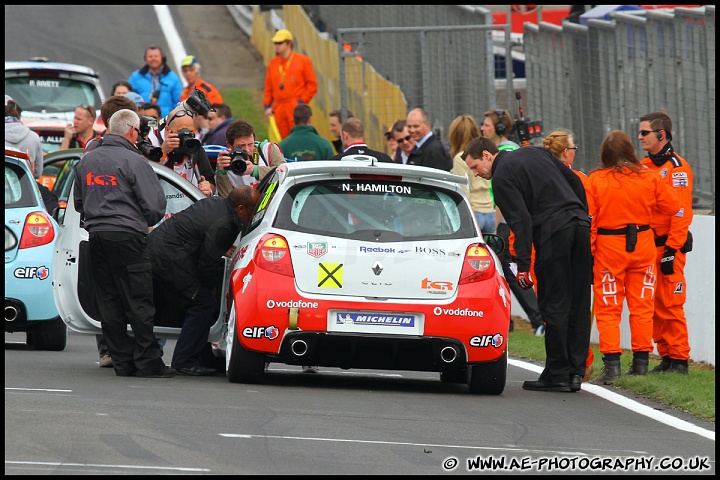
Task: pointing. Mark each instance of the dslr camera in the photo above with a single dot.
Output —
(238, 157)
(143, 144)
(197, 103)
(188, 143)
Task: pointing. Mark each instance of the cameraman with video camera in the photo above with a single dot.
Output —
(247, 161)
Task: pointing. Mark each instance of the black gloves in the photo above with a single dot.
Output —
(667, 261)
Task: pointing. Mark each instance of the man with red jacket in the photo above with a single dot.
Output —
(673, 240)
(290, 80)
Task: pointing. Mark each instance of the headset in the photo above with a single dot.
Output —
(500, 128)
(658, 135)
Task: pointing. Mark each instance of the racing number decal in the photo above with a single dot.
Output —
(268, 194)
(330, 275)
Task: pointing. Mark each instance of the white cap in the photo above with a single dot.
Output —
(8, 99)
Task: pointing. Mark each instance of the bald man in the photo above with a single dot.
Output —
(186, 252)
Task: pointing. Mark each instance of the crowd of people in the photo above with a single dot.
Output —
(619, 234)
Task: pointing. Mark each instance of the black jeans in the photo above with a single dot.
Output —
(122, 274)
(563, 266)
(527, 298)
(199, 317)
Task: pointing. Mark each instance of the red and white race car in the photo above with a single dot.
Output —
(360, 264)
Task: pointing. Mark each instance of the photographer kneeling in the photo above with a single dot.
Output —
(186, 252)
(247, 161)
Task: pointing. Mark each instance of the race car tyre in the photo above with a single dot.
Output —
(48, 335)
(488, 378)
(243, 366)
(454, 376)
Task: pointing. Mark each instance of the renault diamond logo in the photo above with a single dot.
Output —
(377, 268)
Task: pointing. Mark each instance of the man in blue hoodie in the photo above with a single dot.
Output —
(156, 82)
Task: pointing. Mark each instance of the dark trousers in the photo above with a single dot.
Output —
(122, 274)
(527, 298)
(563, 266)
(199, 317)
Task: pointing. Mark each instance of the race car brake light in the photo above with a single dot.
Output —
(478, 264)
(38, 230)
(273, 255)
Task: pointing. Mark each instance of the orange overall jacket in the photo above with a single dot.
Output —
(212, 93)
(669, 324)
(288, 82)
(622, 203)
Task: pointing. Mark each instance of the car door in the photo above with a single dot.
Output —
(73, 286)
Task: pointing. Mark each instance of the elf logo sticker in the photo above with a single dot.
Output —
(496, 341)
(32, 272)
(271, 332)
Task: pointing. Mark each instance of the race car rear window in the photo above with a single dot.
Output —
(19, 188)
(384, 210)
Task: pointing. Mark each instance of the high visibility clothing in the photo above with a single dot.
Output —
(288, 81)
(669, 323)
(622, 203)
(211, 93)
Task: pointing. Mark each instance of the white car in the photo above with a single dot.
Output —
(361, 264)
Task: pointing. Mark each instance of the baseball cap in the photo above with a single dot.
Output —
(8, 100)
(137, 99)
(189, 61)
(282, 36)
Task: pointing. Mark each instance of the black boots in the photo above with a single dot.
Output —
(671, 365)
(663, 367)
(610, 372)
(639, 365)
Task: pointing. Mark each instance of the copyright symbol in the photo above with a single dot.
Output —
(450, 463)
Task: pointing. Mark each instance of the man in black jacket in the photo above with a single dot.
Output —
(429, 150)
(120, 197)
(544, 204)
(186, 253)
(353, 133)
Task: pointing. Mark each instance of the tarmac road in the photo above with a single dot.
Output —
(228, 59)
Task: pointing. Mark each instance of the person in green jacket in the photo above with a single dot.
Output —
(304, 142)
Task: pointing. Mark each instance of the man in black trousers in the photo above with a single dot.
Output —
(544, 203)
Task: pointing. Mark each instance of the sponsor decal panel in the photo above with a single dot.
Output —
(495, 341)
(291, 304)
(271, 332)
(458, 312)
(393, 319)
(32, 272)
(317, 249)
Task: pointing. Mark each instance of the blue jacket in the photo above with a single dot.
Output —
(170, 87)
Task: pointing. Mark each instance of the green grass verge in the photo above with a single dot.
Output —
(693, 393)
(246, 104)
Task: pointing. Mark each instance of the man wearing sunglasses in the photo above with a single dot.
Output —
(404, 140)
(290, 80)
(673, 241)
(80, 131)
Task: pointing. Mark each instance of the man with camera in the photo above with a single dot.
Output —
(247, 161)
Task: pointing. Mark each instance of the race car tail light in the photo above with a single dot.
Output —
(478, 264)
(38, 230)
(273, 255)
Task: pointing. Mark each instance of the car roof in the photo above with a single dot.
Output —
(46, 65)
(14, 152)
(362, 164)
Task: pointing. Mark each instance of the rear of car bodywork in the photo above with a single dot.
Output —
(367, 266)
(30, 234)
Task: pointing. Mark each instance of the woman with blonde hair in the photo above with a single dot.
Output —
(463, 129)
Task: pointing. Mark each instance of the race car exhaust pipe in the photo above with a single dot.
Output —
(448, 354)
(299, 348)
(11, 313)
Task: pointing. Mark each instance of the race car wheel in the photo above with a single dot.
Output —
(243, 366)
(488, 378)
(48, 335)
